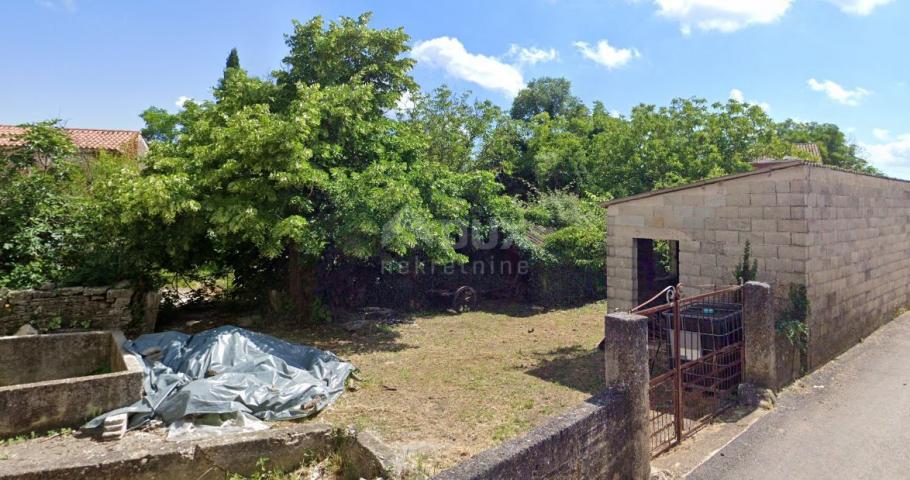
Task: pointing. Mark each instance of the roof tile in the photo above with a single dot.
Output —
(128, 142)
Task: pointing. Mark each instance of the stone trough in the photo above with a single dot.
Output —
(61, 380)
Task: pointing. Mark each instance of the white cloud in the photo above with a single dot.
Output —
(838, 93)
(859, 7)
(606, 54)
(893, 156)
(722, 15)
(63, 5)
(531, 55)
(181, 100)
(737, 94)
(489, 72)
(405, 102)
(881, 134)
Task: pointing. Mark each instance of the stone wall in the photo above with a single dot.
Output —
(71, 307)
(859, 257)
(712, 223)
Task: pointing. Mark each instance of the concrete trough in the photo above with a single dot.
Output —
(61, 380)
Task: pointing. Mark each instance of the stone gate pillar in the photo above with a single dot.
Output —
(760, 362)
(626, 367)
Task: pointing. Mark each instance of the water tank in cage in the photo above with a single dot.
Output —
(705, 327)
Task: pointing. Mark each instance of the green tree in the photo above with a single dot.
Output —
(545, 95)
(308, 166)
(233, 60)
(832, 143)
(686, 141)
(348, 52)
(52, 224)
(41, 144)
(455, 129)
(160, 125)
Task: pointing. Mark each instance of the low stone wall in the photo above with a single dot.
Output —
(38, 358)
(145, 456)
(585, 442)
(70, 307)
(99, 377)
(604, 437)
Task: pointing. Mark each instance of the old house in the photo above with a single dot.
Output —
(843, 235)
(89, 141)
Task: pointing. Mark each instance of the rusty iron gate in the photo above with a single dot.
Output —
(695, 349)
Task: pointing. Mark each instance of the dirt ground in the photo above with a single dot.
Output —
(446, 387)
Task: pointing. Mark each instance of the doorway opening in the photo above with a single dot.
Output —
(657, 266)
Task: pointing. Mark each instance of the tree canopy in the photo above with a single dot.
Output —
(307, 163)
(314, 166)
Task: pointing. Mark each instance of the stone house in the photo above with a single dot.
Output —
(844, 235)
(90, 141)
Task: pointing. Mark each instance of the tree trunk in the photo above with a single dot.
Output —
(295, 286)
(301, 284)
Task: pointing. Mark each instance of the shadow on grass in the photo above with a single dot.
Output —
(510, 308)
(576, 367)
(514, 308)
(376, 338)
(331, 337)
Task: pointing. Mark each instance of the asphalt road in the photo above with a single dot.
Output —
(850, 419)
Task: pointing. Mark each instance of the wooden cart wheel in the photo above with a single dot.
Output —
(464, 300)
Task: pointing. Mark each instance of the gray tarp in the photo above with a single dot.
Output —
(231, 370)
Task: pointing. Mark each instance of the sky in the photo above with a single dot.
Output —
(98, 64)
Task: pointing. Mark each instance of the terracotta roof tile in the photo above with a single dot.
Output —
(810, 148)
(128, 142)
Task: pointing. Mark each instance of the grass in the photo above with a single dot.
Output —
(5, 442)
(446, 387)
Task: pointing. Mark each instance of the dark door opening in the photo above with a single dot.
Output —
(658, 266)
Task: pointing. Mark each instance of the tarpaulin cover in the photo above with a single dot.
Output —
(230, 369)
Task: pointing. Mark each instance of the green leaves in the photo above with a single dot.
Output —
(40, 145)
(348, 52)
(308, 159)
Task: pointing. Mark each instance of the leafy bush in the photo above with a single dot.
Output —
(575, 227)
(570, 265)
(57, 215)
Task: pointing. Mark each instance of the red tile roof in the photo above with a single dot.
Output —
(128, 142)
(810, 148)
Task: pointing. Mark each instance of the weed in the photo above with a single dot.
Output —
(5, 442)
(792, 322)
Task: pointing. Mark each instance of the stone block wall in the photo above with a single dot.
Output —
(858, 262)
(712, 223)
(846, 236)
(71, 307)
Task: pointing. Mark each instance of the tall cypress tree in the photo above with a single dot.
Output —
(233, 60)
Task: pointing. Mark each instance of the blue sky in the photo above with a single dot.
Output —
(99, 63)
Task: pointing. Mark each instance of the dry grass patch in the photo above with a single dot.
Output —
(447, 387)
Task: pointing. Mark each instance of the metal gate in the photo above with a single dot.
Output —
(695, 348)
